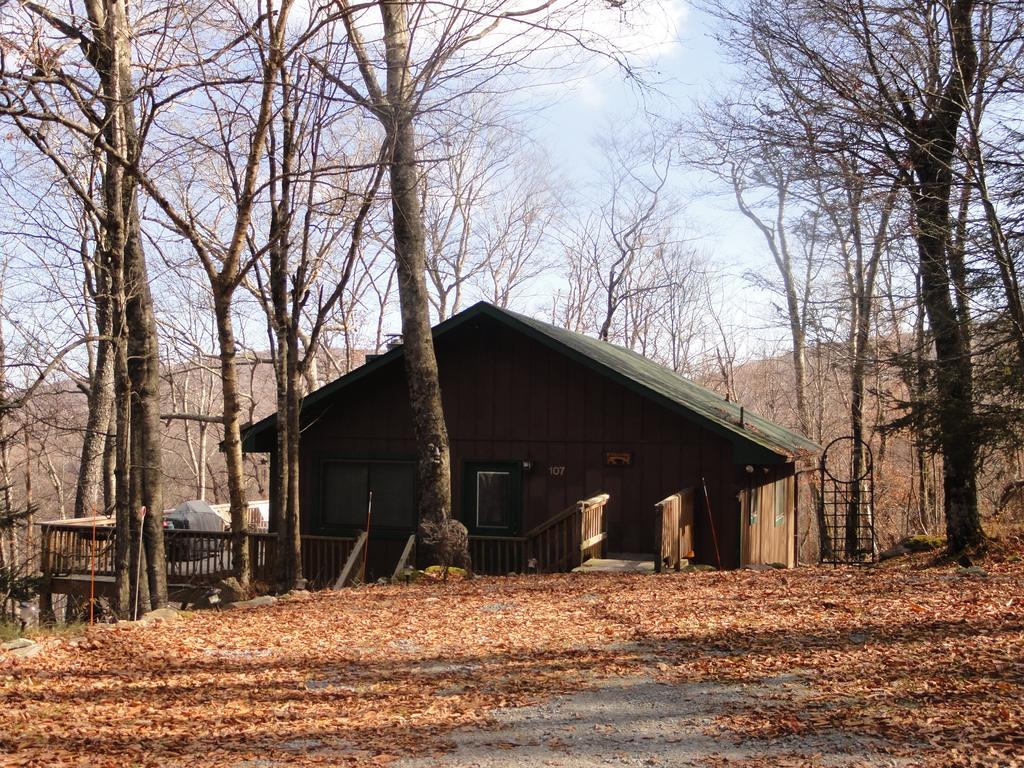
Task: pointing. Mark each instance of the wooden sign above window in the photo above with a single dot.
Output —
(618, 458)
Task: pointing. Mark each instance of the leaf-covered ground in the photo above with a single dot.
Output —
(928, 662)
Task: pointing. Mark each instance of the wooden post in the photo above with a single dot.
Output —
(408, 555)
(92, 573)
(659, 524)
(353, 562)
(366, 544)
(45, 590)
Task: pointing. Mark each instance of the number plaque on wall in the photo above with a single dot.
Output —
(618, 458)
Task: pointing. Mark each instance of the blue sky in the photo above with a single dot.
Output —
(687, 68)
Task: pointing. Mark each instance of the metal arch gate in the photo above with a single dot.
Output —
(846, 506)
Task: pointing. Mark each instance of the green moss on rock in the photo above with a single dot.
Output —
(923, 543)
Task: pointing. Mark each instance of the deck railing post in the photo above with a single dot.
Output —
(45, 591)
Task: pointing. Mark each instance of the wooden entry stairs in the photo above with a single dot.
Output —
(558, 545)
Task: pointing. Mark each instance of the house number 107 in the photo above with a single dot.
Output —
(556, 471)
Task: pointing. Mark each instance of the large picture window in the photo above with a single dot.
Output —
(345, 494)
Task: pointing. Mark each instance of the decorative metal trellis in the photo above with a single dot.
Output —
(846, 506)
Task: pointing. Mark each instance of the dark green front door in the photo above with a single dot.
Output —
(492, 497)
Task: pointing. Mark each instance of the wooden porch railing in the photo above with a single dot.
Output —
(69, 550)
(559, 544)
(323, 557)
(193, 557)
(673, 530)
(498, 555)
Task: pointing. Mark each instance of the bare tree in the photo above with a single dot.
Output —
(322, 190)
(430, 55)
(95, 99)
(903, 75)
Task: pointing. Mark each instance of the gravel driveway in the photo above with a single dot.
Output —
(639, 721)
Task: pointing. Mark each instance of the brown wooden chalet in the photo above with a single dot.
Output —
(563, 448)
(541, 420)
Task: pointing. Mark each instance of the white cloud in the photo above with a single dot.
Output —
(646, 30)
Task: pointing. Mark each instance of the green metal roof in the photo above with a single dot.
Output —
(755, 439)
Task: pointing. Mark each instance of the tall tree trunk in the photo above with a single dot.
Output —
(146, 480)
(933, 146)
(123, 574)
(134, 324)
(282, 469)
(110, 452)
(433, 469)
(101, 395)
(232, 436)
(293, 528)
(953, 379)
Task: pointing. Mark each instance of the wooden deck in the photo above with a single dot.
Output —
(71, 554)
(74, 555)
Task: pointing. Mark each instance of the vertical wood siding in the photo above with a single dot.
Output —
(767, 498)
(510, 398)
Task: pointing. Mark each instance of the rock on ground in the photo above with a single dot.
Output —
(256, 602)
(160, 614)
(22, 648)
(18, 642)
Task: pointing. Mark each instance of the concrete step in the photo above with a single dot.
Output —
(615, 565)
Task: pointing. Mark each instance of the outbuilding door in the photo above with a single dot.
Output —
(766, 519)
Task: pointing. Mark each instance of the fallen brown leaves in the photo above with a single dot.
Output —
(927, 662)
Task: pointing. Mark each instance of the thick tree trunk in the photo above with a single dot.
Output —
(101, 395)
(433, 469)
(933, 147)
(139, 473)
(953, 375)
(123, 574)
(110, 456)
(293, 529)
(289, 402)
(232, 437)
(146, 479)
(285, 323)
(285, 567)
